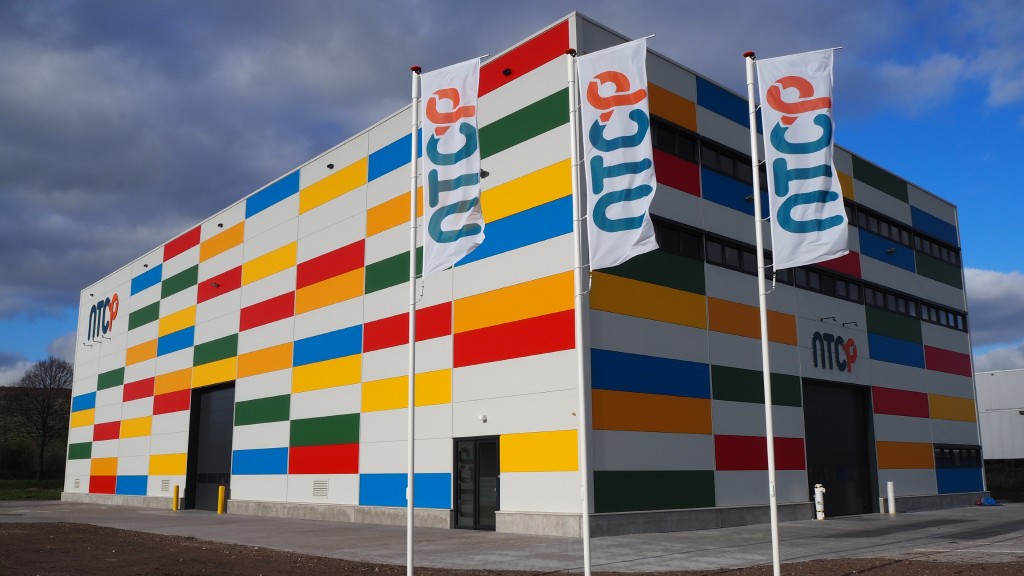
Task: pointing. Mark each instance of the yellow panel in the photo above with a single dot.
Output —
(222, 242)
(83, 418)
(387, 215)
(331, 291)
(214, 372)
(327, 374)
(103, 467)
(615, 410)
(527, 300)
(951, 408)
(172, 381)
(167, 464)
(177, 321)
(672, 107)
(266, 360)
(270, 263)
(136, 427)
(905, 455)
(386, 394)
(341, 182)
(634, 298)
(846, 184)
(140, 353)
(433, 388)
(742, 320)
(529, 191)
(555, 451)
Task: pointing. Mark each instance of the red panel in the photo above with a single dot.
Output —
(431, 322)
(331, 264)
(848, 264)
(102, 484)
(226, 282)
(330, 459)
(434, 321)
(677, 173)
(750, 453)
(899, 402)
(271, 310)
(947, 361)
(106, 431)
(138, 389)
(181, 243)
(172, 402)
(525, 58)
(540, 335)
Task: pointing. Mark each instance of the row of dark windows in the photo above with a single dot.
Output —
(954, 456)
(682, 240)
(684, 144)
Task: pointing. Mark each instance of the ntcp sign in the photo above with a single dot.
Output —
(102, 315)
(834, 352)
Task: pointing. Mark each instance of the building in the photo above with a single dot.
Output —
(1001, 414)
(265, 349)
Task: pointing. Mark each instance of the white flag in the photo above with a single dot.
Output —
(617, 153)
(452, 219)
(808, 220)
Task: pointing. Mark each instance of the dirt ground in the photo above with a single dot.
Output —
(82, 550)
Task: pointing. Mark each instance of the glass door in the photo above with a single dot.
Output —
(476, 483)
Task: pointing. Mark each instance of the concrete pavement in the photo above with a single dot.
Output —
(974, 534)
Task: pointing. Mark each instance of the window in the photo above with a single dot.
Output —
(884, 227)
(827, 284)
(937, 250)
(677, 141)
(908, 306)
(676, 238)
(955, 456)
(729, 162)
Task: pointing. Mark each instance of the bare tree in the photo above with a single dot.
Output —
(41, 403)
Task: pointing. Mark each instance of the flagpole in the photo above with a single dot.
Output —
(578, 288)
(411, 463)
(763, 313)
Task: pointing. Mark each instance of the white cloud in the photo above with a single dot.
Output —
(996, 306)
(63, 347)
(1000, 359)
(12, 367)
(924, 85)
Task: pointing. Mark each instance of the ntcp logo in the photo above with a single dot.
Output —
(102, 315)
(839, 352)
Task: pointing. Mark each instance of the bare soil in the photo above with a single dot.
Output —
(84, 550)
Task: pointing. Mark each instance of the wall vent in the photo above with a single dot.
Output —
(320, 488)
(78, 482)
(165, 485)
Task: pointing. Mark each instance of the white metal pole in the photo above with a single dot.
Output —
(411, 463)
(577, 237)
(763, 309)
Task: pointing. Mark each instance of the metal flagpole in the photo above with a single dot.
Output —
(763, 309)
(409, 491)
(577, 236)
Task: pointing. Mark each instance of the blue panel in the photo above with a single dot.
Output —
(272, 194)
(148, 278)
(260, 461)
(131, 485)
(528, 227)
(875, 246)
(729, 192)
(175, 341)
(896, 350)
(83, 402)
(337, 344)
(649, 374)
(432, 490)
(933, 226)
(391, 157)
(725, 103)
(953, 480)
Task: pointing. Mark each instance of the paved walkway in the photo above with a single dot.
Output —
(975, 534)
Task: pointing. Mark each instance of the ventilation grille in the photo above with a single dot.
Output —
(78, 482)
(320, 488)
(165, 485)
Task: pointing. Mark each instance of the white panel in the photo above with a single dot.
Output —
(616, 450)
(327, 402)
(170, 423)
(521, 265)
(619, 333)
(174, 361)
(171, 443)
(154, 486)
(747, 419)
(105, 449)
(111, 361)
(432, 456)
(276, 383)
(386, 303)
(134, 447)
(899, 279)
(341, 488)
(730, 223)
(432, 422)
(181, 262)
(931, 204)
(945, 338)
(269, 287)
(955, 432)
(226, 260)
(528, 376)
(228, 217)
(539, 82)
(259, 487)
(348, 208)
(879, 201)
(843, 160)
(143, 334)
(890, 428)
(540, 492)
(133, 465)
(223, 304)
(386, 363)
(332, 238)
(78, 468)
(179, 301)
(907, 482)
(671, 76)
(80, 434)
(726, 132)
(266, 435)
(266, 336)
(741, 352)
(435, 289)
(279, 217)
(108, 404)
(387, 244)
(526, 413)
(329, 318)
(388, 130)
(918, 380)
(341, 156)
(221, 327)
(140, 371)
(726, 284)
(268, 240)
(137, 408)
(677, 205)
(390, 185)
(750, 487)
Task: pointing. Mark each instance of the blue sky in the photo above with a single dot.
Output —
(123, 124)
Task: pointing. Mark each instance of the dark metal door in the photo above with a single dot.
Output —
(836, 421)
(476, 483)
(209, 455)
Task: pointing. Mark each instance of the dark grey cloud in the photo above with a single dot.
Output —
(996, 307)
(12, 367)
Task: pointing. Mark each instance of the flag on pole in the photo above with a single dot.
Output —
(617, 153)
(808, 220)
(453, 220)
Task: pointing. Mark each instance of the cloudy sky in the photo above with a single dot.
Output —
(125, 123)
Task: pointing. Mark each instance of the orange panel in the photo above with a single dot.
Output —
(266, 360)
(615, 410)
(904, 455)
(140, 353)
(742, 320)
(173, 381)
(672, 107)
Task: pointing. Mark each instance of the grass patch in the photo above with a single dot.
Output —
(31, 489)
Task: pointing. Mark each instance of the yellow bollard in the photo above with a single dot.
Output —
(221, 503)
(174, 500)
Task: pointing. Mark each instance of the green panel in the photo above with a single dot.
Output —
(391, 271)
(82, 451)
(261, 410)
(627, 491)
(931, 267)
(741, 385)
(343, 429)
(111, 379)
(180, 281)
(537, 118)
(877, 178)
(144, 315)
(214, 350)
(892, 324)
(664, 269)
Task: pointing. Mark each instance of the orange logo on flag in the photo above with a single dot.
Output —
(622, 97)
(790, 109)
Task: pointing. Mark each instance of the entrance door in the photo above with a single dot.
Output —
(836, 421)
(476, 483)
(209, 451)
